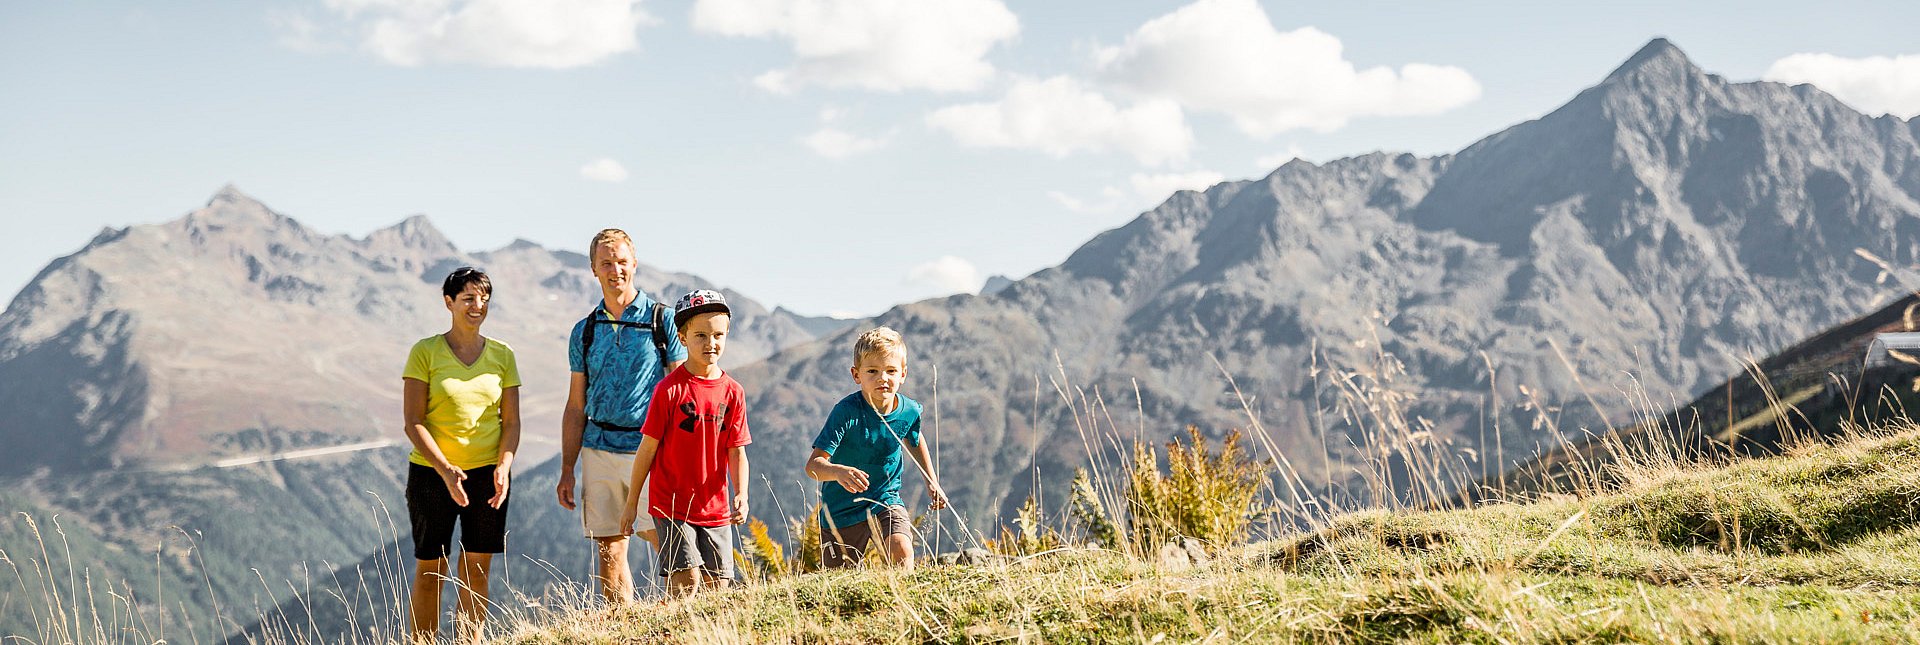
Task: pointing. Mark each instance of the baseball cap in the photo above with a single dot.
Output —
(698, 301)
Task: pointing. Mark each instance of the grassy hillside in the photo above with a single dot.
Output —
(1816, 387)
(192, 556)
(1819, 544)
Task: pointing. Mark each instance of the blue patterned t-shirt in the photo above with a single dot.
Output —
(856, 435)
(625, 369)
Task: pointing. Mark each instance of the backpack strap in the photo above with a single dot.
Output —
(657, 328)
(660, 334)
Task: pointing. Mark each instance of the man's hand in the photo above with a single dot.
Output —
(500, 483)
(740, 508)
(452, 478)
(565, 489)
(937, 498)
(852, 479)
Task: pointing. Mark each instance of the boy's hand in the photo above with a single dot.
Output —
(937, 499)
(852, 479)
(627, 518)
(740, 508)
(500, 483)
(452, 478)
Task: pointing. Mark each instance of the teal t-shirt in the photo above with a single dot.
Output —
(856, 435)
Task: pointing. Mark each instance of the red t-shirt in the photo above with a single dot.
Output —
(696, 421)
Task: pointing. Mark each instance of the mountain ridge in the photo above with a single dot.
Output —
(1644, 237)
(235, 317)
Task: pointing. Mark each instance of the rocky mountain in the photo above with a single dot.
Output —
(152, 379)
(1636, 244)
(155, 344)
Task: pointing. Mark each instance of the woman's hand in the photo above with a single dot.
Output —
(500, 482)
(937, 497)
(452, 477)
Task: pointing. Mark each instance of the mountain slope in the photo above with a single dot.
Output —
(1646, 237)
(141, 371)
(1820, 388)
(154, 344)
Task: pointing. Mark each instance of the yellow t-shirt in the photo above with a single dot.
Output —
(463, 401)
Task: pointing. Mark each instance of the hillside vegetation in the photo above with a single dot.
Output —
(1816, 545)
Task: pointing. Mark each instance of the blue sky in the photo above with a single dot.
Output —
(805, 153)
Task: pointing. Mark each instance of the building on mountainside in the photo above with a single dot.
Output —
(1888, 349)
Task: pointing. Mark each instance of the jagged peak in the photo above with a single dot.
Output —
(231, 207)
(1659, 57)
(416, 231)
(231, 194)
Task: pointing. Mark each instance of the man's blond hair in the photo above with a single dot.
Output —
(608, 236)
(882, 340)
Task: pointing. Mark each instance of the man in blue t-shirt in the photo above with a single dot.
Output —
(613, 380)
(856, 458)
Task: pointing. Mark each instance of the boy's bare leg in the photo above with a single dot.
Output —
(616, 581)
(900, 550)
(652, 537)
(681, 583)
(471, 597)
(424, 607)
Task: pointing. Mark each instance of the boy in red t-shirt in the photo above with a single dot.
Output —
(695, 441)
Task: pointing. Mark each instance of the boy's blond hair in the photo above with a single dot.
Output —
(606, 236)
(883, 340)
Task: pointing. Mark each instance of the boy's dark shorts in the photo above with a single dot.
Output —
(686, 546)
(483, 528)
(847, 546)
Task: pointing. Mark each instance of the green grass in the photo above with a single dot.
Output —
(1819, 545)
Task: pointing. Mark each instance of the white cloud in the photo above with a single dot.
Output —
(1146, 190)
(947, 274)
(1159, 187)
(834, 143)
(1226, 56)
(1059, 116)
(887, 45)
(493, 33)
(1111, 200)
(1266, 163)
(604, 169)
(1875, 85)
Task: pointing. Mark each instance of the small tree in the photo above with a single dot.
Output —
(1092, 514)
(1033, 536)
(1204, 496)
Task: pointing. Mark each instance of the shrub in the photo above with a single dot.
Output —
(763, 557)
(1092, 515)
(1033, 536)
(1209, 497)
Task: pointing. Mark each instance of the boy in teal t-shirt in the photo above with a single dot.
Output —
(856, 458)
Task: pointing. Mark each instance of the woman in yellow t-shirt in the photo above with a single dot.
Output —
(462, 406)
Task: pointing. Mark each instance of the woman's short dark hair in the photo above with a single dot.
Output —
(463, 276)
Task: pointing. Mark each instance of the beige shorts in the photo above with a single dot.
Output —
(603, 483)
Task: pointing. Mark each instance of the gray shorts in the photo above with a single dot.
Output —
(846, 546)
(686, 546)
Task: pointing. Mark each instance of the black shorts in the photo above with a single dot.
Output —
(483, 528)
